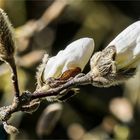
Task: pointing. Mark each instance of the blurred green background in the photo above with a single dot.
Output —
(94, 113)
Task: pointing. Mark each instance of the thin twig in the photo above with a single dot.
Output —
(51, 13)
(14, 78)
(27, 31)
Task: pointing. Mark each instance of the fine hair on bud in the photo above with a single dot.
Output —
(6, 37)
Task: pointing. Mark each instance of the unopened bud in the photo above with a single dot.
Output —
(119, 60)
(6, 37)
(127, 45)
(76, 54)
(65, 65)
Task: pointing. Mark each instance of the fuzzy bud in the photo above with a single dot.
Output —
(6, 37)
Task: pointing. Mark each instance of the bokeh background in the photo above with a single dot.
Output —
(49, 26)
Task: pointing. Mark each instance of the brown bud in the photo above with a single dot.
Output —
(6, 37)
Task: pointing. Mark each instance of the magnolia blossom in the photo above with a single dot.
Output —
(127, 45)
(76, 54)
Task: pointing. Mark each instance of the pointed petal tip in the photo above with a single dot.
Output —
(86, 41)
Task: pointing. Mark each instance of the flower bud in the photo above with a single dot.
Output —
(6, 37)
(118, 61)
(66, 64)
(76, 54)
(127, 45)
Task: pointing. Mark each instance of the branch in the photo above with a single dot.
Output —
(25, 33)
(29, 102)
(51, 13)
(100, 75)
(86, 79)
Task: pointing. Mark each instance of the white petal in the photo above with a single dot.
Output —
(76, 54)
(127, 45)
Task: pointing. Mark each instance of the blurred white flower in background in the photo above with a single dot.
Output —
(76, 54)
(122, 109)
(127, 45)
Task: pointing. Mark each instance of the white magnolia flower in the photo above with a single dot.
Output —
(118, 61)
(127, 45)
(76, 54)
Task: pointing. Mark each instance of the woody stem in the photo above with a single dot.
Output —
(70, 84)
(14, 78)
